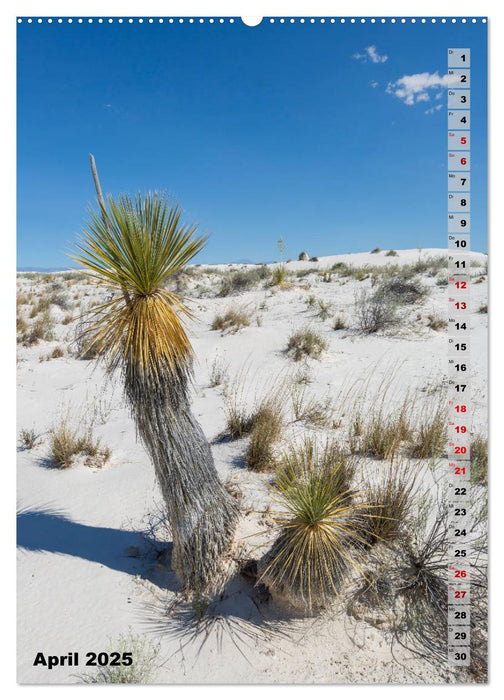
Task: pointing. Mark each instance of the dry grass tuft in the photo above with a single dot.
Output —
(28, 438)
(479, 460)
(381, 435)
(389, 505)
(429, 439)
(232, 320)
(436, 323)
(42, 329)
(305, 343)
(339, 323)
(66, 443)
(310, 409)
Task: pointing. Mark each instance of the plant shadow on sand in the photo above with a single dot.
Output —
(240, 616)
(50, 531)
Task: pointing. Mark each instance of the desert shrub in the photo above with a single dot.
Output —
(28, 438)
(314, 259)
(430, 264)
(310, 409)
(479, 460)
(142, 670)
(279, 275)
(407, 586)
(43, 304)
(391, 254)
(311, 301)
(375, 312)
(442, 279)
(42, 329)
(428, 441)
(483, 309)
(231, 320)
(218, 372)
(61, 300)
(66, 443)
(72, 276)
(303, 256)
(67, 319)
(306, 272)
(403, 291)
(57, 352)
(339, 323)
(266, 431)
(317, 529)
(436, 323)
(376, 250)
(243, 280)
(305, 343)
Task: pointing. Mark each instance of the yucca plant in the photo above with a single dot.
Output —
(134, 247)
(318, 538)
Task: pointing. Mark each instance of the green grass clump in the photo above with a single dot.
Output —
(429, 439)
(28, 438)
(391, 254)
(376, 250)
(381, 434)
(279, 275)
(305, 343)
(266, 431)
(231, 320)
(324, 309)
(318, 538)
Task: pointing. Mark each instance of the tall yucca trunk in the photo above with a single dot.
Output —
(201, 513)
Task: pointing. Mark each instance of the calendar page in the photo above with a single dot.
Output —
(252, 307)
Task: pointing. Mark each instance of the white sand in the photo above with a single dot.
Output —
(78, 589)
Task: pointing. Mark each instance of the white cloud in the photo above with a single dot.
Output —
(374, 84)
(414, 88)
(371, 54)
(439, 95)
(434, 109)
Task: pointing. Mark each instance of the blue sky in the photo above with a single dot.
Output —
(302, 131)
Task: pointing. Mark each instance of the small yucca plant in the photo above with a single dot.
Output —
(318, 529)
